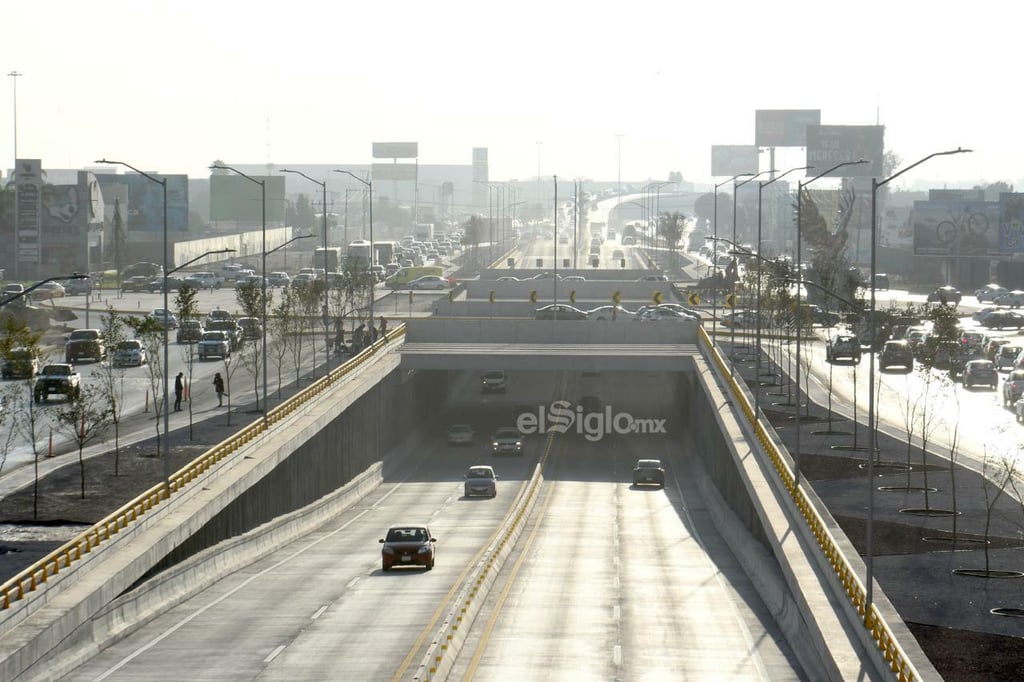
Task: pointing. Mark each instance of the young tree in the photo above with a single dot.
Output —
(670, 227)
(83, 419)
(186, 307)
(8, 399)
(282, 331)
(230, 367)
(111, 378)
(26, 419)
(151, 334)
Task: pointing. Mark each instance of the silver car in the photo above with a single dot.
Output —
(480, 480)
(460, 434)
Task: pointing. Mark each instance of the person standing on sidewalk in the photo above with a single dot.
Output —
(179, 390)
(384, 328)
(218, 385)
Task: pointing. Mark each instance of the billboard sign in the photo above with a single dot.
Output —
(395, 150)
(1011, 222)
(783, 127)
(733, 159)
(28, 209)
(233, 197)
(959, 228)
(394, 171)
(831, 145)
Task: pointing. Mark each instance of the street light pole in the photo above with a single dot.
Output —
(167, 396)
(869, 530)
(326, 314)
(760, 276)
(618, 139)
(373, 283)
(799, 288)
(263, 286)
(735, 187)
(714, 254)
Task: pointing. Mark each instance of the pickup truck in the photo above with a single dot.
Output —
(85, 343)
(57, 378)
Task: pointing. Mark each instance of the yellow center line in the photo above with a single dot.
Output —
(485, 636)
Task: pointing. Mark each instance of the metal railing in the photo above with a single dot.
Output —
(874, 622)
(35, 577)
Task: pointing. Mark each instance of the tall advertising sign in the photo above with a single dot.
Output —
(395, 150)
(28, 211)
(733, 159)
(783, 127)
(1011, 222)
(828, 146)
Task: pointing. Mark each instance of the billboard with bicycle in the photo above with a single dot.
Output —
(957, 228)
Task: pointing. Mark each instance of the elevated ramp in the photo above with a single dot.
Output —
(544, 345)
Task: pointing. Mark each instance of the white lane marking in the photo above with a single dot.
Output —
(617, 654)
(245, 583)
(319, 612)
(616, 612)
(352, 583)
(274, 654)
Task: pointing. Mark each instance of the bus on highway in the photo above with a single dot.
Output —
(358, 253)
(329, 259)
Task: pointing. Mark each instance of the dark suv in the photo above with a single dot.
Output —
(85, 343)
(843, 346)
(896, 353)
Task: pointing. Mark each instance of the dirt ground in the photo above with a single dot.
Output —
(33, 525)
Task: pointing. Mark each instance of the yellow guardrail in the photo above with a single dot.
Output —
(34, 577)
(881, 634)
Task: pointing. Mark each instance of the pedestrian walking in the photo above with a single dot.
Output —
(218, 386)
(359, 338)
(384, 327)
(179, 390)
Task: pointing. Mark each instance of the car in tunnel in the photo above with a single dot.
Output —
(649, 472)
(407, 545)
(460, 434)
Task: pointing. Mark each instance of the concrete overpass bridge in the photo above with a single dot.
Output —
(280, 478)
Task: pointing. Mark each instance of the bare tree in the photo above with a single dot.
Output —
(151, 334)
(230, 367)
(186, 307)
(111, 377)
(282, 331)
(27, 421)
(8, 398)
(84, 419)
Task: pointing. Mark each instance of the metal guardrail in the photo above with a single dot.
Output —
(873, 621)
(35, 577)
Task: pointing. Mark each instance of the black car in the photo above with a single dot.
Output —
(173, 284)
(944, 295)
(843, 346)
(896, 353)
(1001, 319)
(649, 472)
(980, 372)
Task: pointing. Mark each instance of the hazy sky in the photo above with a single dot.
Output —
(171, 86)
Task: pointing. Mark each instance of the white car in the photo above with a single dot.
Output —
(130, 354)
